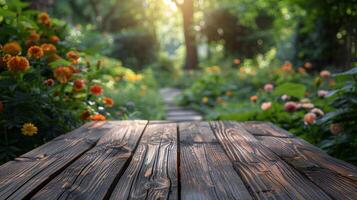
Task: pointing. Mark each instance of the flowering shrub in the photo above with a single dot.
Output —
(286, 96)
(48, 87)
(342, 121)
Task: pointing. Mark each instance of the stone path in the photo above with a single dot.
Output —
(174, 112)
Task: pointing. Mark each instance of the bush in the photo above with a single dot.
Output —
(287, 97)
(48, 87)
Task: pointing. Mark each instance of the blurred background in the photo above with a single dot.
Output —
(157, 33)
(289, 62)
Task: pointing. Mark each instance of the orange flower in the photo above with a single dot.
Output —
(44, 18)
(75, 70)
(63, 74)
(33, 37)
(35, 52)
(96, 90)
(307, 65)
(229, 93)
(1, 106)
(98, 117)
(108, 101)
(78, 84)
(4, 60)
(236, 61)
(49, 82)
(54, 39)
(72, 55)
(48, 48)
(254, 98)
(301, 70)
(85, 115)
(287, 67)
(12, 48)
(18, 64)
(310, 118)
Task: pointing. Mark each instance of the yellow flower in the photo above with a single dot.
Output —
(29, 129)
(205, 100)
(213, 69)
(131, 76)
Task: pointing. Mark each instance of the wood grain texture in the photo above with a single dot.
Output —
(257, 128)
(29, 172)
(92, 175)
(335, 177)
(266, 175)
(152, 173)
(206, 171)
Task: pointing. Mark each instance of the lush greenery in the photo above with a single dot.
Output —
(48, 87)
(320, 109)
(290, 62)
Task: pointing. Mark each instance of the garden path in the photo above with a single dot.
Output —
(174, 112)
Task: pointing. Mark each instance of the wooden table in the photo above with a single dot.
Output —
(166, 160)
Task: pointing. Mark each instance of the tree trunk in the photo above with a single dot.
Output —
(187, 9)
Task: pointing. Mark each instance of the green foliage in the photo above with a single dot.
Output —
(48, 95)
(225, 94)
(290, 89)
(343, 119)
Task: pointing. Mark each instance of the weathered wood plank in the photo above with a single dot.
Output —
(266, 129)
(335, 177)
(28, 173)
(206, 171)
(92, 175)
(152, 173)
(267, 176)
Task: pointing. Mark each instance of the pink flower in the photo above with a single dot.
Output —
(268, 87)
(336, 128)
(317, 111)
(322, 93)
(290, 106)
(307, 105)
(309, 118)
(325, 74)
(266, 105)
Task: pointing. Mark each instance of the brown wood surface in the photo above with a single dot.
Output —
(92, 175)
(337, 178)
(26, 174)
(267, 176)
(206, 172)
(152, 173)
(167, 160)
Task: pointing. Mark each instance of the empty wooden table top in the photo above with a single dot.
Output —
(166, 160)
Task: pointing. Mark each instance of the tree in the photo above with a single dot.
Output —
(187, 9)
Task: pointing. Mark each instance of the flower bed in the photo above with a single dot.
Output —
(319, 108)
(48, 87)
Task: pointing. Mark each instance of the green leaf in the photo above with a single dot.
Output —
(60, 62)
(290, 89)
(350, 72)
